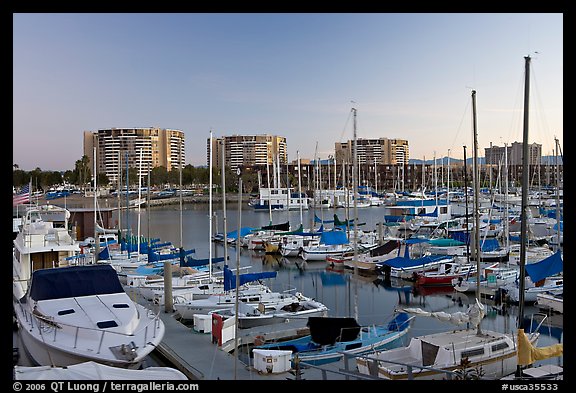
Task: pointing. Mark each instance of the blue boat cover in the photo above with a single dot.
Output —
(402, 262)
(230, 277)
(399, 323)
(490, 244)
(74, 281)
(243, 232)
(545, 268)
(193, 262)
(333, 238)
(104, 254)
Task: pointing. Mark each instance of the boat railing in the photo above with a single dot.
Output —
(373, 363)
(48, 330)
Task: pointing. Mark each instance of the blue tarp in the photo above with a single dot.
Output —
(243, 232)
(546, 267)
(490, 244)
(416, 240)
(399, 323)
(333, 238)
(193, 262)
(230, 277)
(402, 263)
(74, 281)
(104, 254)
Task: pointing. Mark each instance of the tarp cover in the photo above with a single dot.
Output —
(329, 330)
(333, 238)
(230, 277)
(277, 227)
(74, 281)
(402, 263)
(545, 268)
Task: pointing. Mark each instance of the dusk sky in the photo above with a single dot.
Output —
(297, 75)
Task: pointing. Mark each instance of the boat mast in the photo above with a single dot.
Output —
(224, 203)
(299, 185)
(466, 208)
(558, 220)
(523, 215)
(355, 188)
(96, 240)
(210, 213)
(475, 177)
(139, 209)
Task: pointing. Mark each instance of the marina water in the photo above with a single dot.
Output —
(367, 297)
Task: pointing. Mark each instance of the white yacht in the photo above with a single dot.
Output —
(68, 312)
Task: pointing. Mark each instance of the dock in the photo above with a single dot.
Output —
(200, 358)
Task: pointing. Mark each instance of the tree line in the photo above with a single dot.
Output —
(81, 177)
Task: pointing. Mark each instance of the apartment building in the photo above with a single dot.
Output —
(140, 148)
(247, 150)
(374, 151)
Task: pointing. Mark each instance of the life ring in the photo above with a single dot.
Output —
(259, 340)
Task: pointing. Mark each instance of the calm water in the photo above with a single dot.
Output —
(344, 293)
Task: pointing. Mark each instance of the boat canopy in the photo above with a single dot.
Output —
(403, 262)
(546, 267)
(334, 238)
(329, 330)
(243, 232)
(230, 277)
(277, 227)
(74, 281)
(193, 262)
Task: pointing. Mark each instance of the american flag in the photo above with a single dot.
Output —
(21, 197)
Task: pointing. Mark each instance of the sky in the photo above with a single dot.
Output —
(298, 75)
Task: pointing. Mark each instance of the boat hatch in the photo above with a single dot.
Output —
(120, 305)
(66, 312)
(106, 324)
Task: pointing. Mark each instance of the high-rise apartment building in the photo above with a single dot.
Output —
(247, 150)
(374, 151)
(494, 155)
(136, 147)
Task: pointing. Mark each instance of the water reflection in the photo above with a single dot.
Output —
(371, 298)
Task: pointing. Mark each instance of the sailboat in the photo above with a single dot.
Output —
(446, 355)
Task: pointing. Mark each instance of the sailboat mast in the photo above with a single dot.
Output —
(355, 189)
(475, 177)
(139, 198)
(558, 218)
(224, 202)
(210, 213)
(466, 208)
(96, 240)
(299, 185)
(523, 215)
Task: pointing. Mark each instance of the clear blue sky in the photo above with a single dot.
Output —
(409, 76)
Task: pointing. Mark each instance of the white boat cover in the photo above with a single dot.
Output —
(95, 371)
(473, 315)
